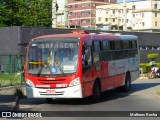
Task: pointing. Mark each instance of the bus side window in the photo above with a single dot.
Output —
(86, 56)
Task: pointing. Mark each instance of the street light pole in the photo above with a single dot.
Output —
(68, 14)
(124, 13)
(54, 16)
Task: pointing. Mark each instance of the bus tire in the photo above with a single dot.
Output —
(96, 92)
(127, 86)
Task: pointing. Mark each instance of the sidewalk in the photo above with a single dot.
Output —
(7, 99)
(143, 76)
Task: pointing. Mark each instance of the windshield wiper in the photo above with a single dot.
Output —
(40, 70)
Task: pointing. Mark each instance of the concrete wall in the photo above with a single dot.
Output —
(10, 37)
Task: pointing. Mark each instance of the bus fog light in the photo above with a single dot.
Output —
(75, 82)
(29, 83)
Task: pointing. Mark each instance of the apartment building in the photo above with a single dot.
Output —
(59, 13)
(139, 16)
(82, 13)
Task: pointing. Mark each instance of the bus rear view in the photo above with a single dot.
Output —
(52, 68)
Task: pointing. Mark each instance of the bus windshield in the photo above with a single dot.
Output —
(52, 57)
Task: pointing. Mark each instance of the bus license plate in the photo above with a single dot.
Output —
(50, 91)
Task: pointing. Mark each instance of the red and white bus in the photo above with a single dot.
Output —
(79, 64)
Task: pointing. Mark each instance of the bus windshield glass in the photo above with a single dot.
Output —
(52, 57)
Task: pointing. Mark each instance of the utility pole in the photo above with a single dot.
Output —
(54, 16)
(68, 13)
(125, 17)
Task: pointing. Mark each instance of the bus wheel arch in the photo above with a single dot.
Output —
(127, 85)
(96, 90)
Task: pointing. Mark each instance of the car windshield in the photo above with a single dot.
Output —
(52, 57)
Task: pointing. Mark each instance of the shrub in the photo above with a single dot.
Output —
(152, 56)
(147, 67)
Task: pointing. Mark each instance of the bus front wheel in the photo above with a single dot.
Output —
(96, 92)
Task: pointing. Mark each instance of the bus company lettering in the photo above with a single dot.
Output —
(50, 78)
(61, 85)
(43, 86)
(56, 45)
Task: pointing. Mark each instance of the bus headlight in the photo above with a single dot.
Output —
(29, 83)
(74, 82)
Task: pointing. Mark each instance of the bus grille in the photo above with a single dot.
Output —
(56, 93)
(51, 81)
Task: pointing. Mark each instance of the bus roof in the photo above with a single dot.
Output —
(93, 36)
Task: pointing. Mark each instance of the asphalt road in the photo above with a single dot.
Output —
(141, 98)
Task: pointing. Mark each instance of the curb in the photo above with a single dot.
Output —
(3, 88)
(142, 78)
(15, 102)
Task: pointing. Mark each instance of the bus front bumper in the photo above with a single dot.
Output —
(69, 92)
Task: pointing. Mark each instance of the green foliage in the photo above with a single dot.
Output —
(152, 56)
(158, 92)
(147, 67)
(35, 13)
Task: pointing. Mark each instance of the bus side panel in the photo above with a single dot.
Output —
(116, 73)
(88, 81)
(132, 66)
(105, 79)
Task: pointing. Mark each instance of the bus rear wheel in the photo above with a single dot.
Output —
(96, 92)
(127, 86)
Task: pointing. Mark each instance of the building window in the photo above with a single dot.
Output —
(119, 20)
(106, 19)
(70, 14)
(93, 12)
(133, 15)
(113, 11)
(155, 23)
(85, 21)
(93, 5)
(85, 13)
(119, 11)
(133, 7)
(155, 14)
(142, 14)
(76, 14)
(127, 11)
(113, 19)
(99, 19)
(142, 23)
(85, 5)
(76, 5)
(155, 6)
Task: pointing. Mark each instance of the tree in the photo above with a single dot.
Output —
(152, 56)
(35, 13)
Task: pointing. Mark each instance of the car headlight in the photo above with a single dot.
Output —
(74, 82)
(29, 83)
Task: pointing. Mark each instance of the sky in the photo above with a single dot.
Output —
(127, 0)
